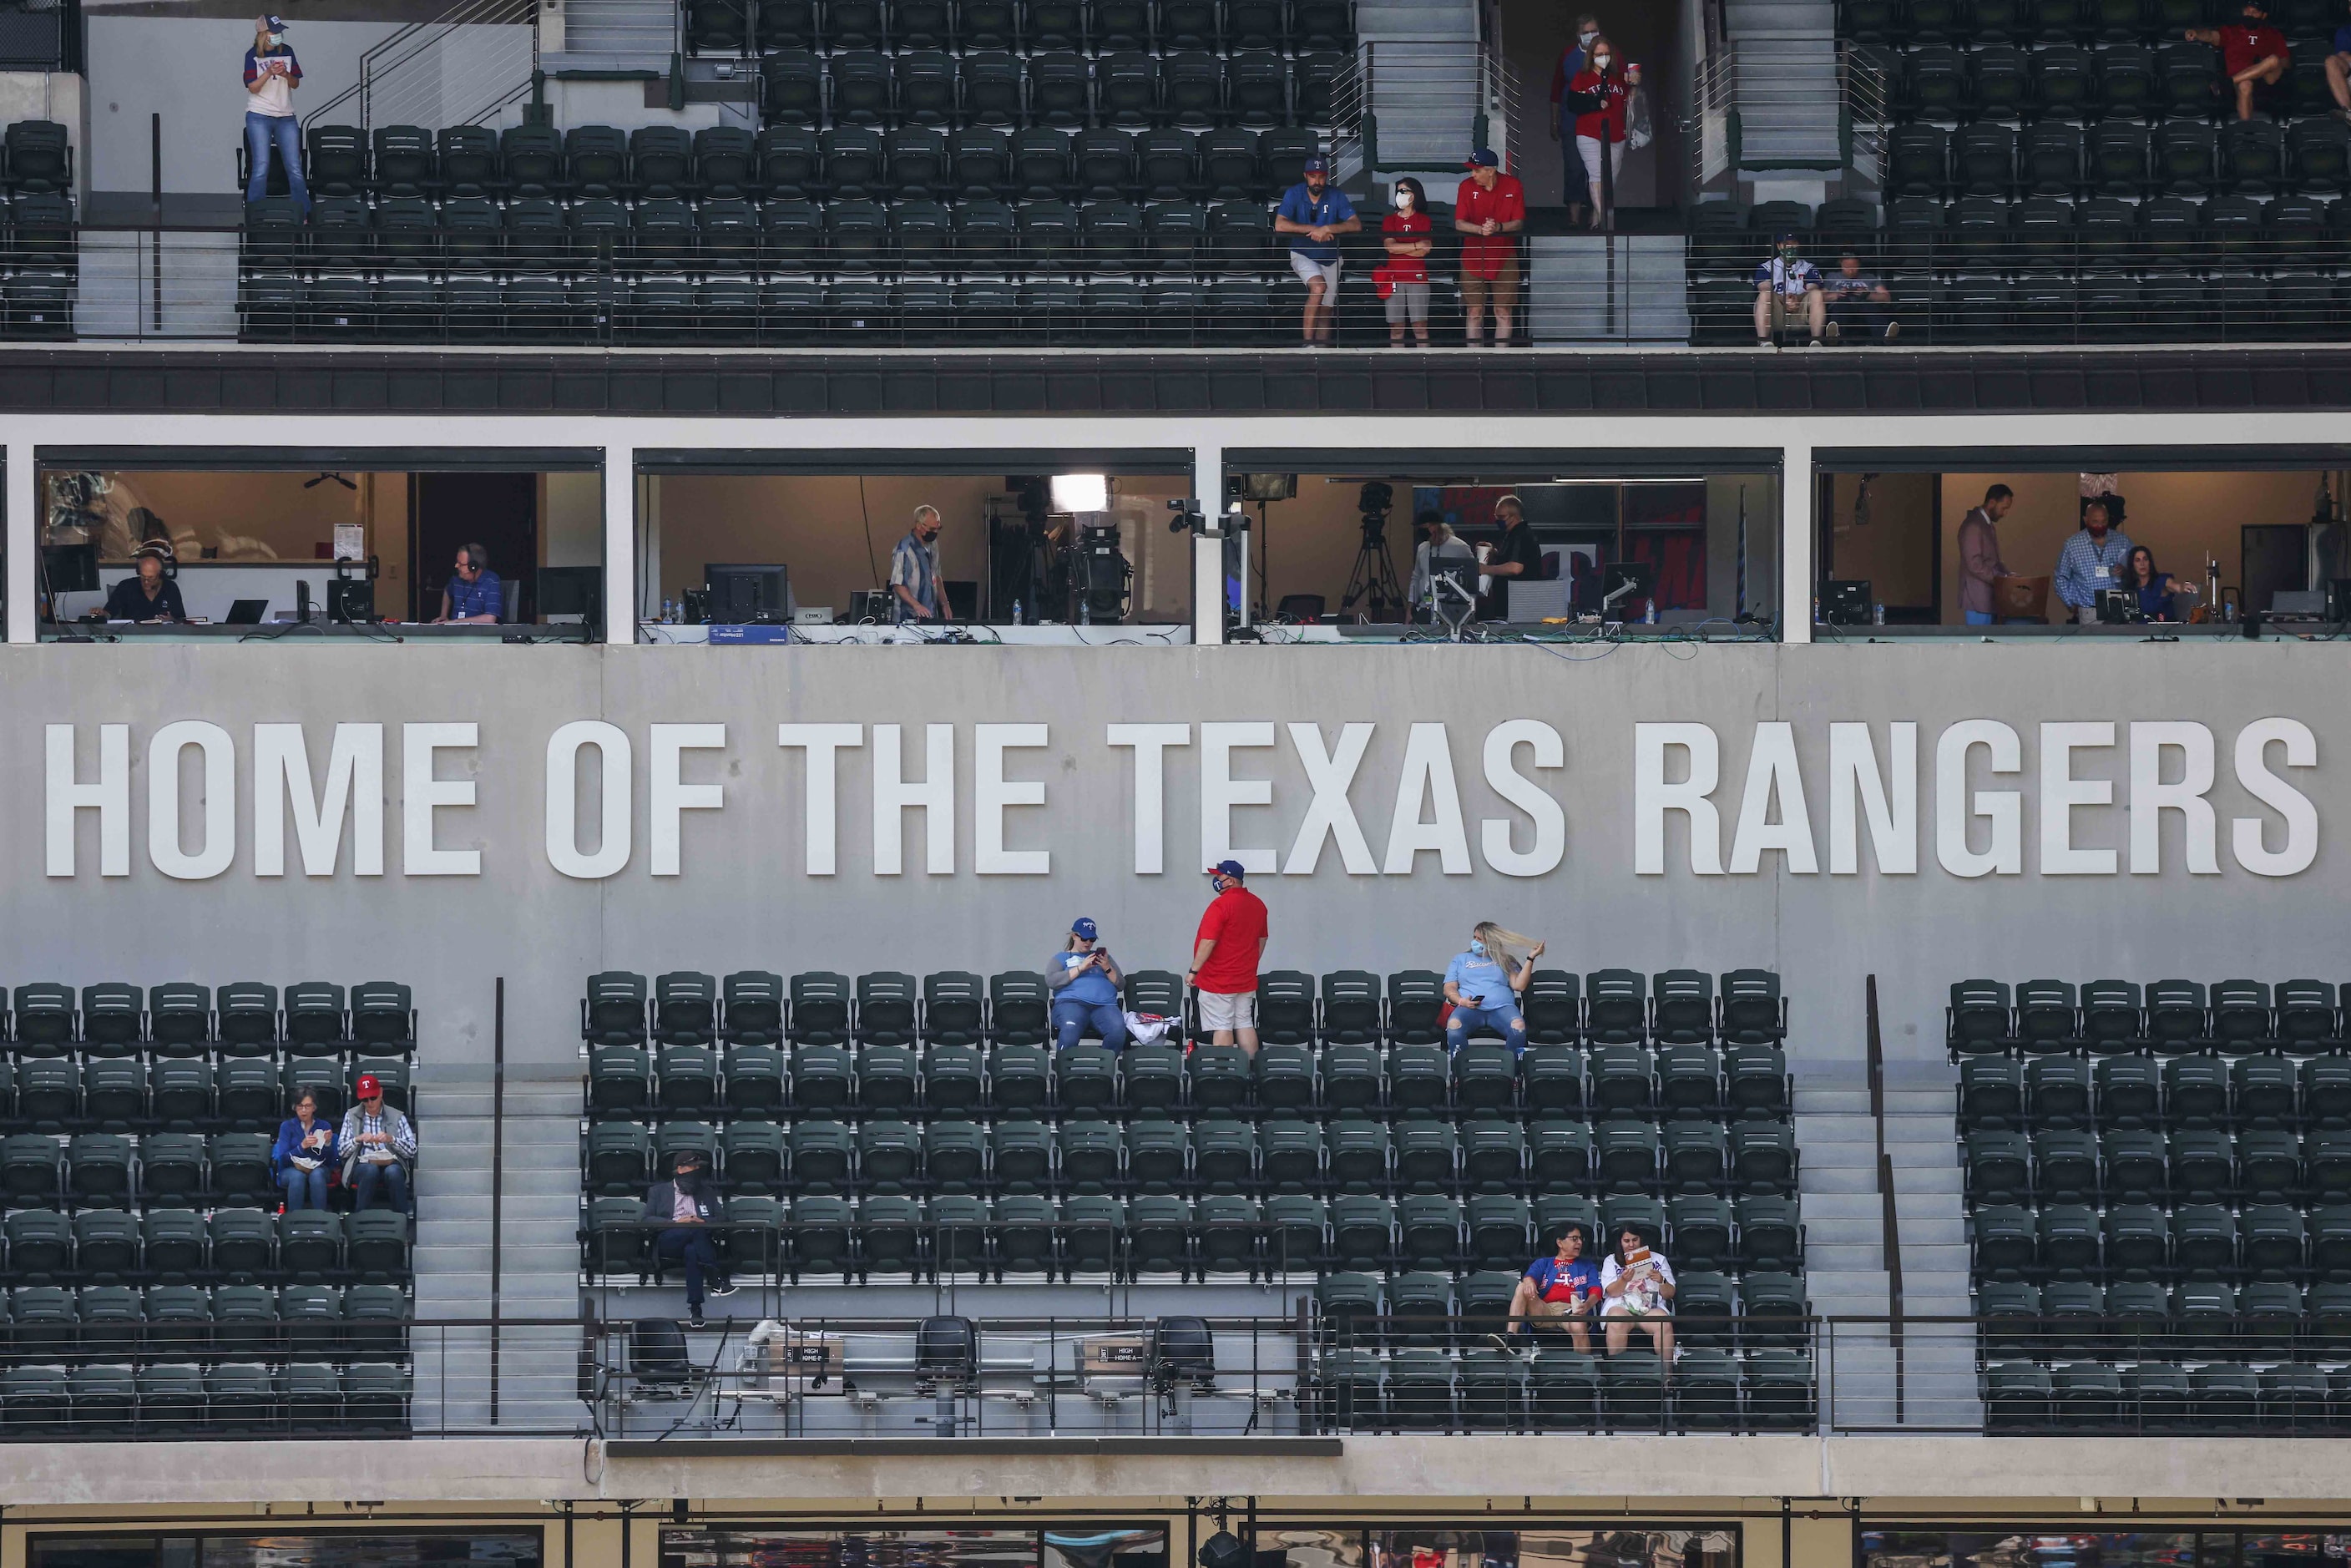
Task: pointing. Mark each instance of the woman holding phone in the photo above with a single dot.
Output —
(1084, 980)
(1636, 1285)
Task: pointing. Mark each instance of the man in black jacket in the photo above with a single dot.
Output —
(682, 1207)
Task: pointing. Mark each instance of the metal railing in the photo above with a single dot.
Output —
(1409, 107)
(1723, 103)
(461, 67)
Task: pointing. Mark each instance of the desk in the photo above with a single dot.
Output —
(295, 632)
(841, 632)
(209, 587)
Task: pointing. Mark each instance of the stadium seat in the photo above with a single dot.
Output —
(754, 1081)
(1980, 1018)
(180, 1019)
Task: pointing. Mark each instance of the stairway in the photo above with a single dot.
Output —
(1422, 59)
(1845, 1256)
(1576, 295)
(615, 35)
(537, 1245)
(1787, 83)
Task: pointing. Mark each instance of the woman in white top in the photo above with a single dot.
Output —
(1639, 1292)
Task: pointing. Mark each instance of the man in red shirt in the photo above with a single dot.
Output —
(1224, 957)
(1490, 208)
(2253, 52)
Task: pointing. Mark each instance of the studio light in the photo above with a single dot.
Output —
(1080, 492)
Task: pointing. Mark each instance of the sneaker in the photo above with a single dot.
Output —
(696, 1321)
(1813, 344)
(1507, 1344)
(1893, 330)
(725, 1288)
(1767, 342)
(2342, 114)
(1835, 331)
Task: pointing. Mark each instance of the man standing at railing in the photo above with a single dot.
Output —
(1314, 213)
(1490, 210)
(271, 75)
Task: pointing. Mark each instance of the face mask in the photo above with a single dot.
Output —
(1600, 62)
(277, 41)
(1478, 949)
(1404, 201)
(1586, 39)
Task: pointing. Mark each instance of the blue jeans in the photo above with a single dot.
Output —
(381, 1185)
(690, 1244)
(1503, 1018)
(262, 131)
(1983, 618)
(1071, 1019)
(303, 1189)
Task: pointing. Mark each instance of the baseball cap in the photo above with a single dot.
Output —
(367, 1086)
(1317, 166)
(1483, 158)
(270, 23)
(1229, 868)
(1783, 237)
(687, 1158)
(1081, 926)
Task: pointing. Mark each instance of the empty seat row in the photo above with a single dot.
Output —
(2165, 1016)
(2057, 21)
(1412, 1390)
(2174, 79)
(178, 1246)
(2074, 1241)
(2253, 158)
(125, 1094)
(173, 1169)
(183, 1019)
(723, 27)
(2164, 1396)
(813, 1232)
(2202, 1089)
(174, 1322)
(1925, 234)
(1684, 1082)
(1152, 1154)
(2085, 1317)
(2145, 1166)
(1255, 88)
(228, 1399)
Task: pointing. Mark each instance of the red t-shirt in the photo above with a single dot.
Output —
(1485, 255)
(1406, 268)
(1236, 920)
(2242, 46)
(1589, 124)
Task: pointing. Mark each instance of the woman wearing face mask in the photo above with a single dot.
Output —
(1486, 983)
(1598, 95)
(1404, 232)
(1572, 61)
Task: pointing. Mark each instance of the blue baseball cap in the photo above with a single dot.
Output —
(273, 24)
(1317, 166)
(1783, 237)
(1081, 926)
(1483, 158)
(1229, 868)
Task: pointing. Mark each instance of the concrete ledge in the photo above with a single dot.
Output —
(879, 1448)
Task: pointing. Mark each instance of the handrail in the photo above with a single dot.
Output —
(416, 46)
(1888, 1212)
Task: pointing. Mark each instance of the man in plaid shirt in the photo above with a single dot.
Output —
(379, 1145)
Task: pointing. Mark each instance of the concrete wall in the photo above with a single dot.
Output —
(744, 896)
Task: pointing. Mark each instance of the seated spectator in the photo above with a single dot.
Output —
(271, 75)
(1784, 286)
(1560, 1290)
(378, 1145)
(1860, 300)
(2337, 66)
(2154, 588)
(1405, 234)
(2253, 55)
(1085, 981)
(1313, 213)
(681, 1207)
(474, 596)
(149, 595)
(1439, 548)
(1484, 985)
(305, 1148)
(1636, 1285)
(2091, 559)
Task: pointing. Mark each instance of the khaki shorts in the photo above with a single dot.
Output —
(1219, 1010)
(1503, 292)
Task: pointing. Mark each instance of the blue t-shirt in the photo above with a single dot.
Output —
(1483, 982)
(1550, 1274)
(1093, 988)
(1301, 206)
(2343, 40)
(480, 597)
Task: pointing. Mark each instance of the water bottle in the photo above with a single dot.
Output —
(1085, 610)
(1649, 616)
(669, 612)
(1016, 613)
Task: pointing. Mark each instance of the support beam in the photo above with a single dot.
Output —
(1209, 555)
(23, 542)
(621, 545)
(1796, 543)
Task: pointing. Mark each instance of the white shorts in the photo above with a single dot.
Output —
(1309, 269)
(1589, 148)
(1219, 1010)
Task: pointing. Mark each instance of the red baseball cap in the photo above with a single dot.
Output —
(368, 1088)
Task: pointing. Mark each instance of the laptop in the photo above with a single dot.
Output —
(247, 612)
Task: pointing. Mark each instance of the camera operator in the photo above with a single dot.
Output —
(1084, 980)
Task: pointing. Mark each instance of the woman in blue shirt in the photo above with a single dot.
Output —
(2154, 588)
(1565, 1286)
(1085, 990)
(304, 1152)
(1484, 985)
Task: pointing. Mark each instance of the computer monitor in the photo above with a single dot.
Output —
(963, 599)
(71, 568)
(742, 593)
(1845, 602)
(1625, 589)
(571, 591)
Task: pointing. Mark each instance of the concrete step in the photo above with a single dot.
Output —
(551, 1181)
(1832, 1206)
(1923, 1181)
(1854, 1231)
(1820, 1180)
(1916, 1232)
(1853, 1258)
(439, 1258)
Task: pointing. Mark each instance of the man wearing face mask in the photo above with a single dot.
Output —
(1405, 233)
(1314, 213)
(1794, 285)
(1571, 62)
(1490, 210)
(2253, 52)
(271, 75)
(915, 570)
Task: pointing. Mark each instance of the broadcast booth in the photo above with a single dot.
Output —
(749, 547)
(265, 544)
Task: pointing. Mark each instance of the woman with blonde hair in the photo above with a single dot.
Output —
(1485, 985)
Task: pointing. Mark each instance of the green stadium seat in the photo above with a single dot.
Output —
(1217, 1078)
(1226, 1234)
(1150, 1079)
(376, 1397)
(955, 1008)
(1689, 1081)
(383, 1016)
(245, 1321)
(1359, 1155)
(889, 1156)
(1021, 1155)
(2177, 1016)
(1560, 1155)
(820, 1229)
(44, 1017)
(1420, 1308)
(310, 1245)
(1420, 1390)
(314, 1400)
(1750, 1009)
(1419, 1080)
(1355, 1080)
(375, 1320)
(180, 1019)
(2306, 1015)
(113, 1018)
(1088, 1157)
(1493, 1392)
(2137, 1241)
(1350, 1008)
(1429, 1231)
(2069, 1241)
(620, 1081)
(105, 1401)
(1681, 1008)
(243, 1245)
(2057, 1093)
(315, 1017)
(1552, 1079)
(1990, 1095)
(310, 1319)
(1485, 1079)
(2048, 1015)
(2087, 1396)
(954, 1079)
(689, 1080)
(41, 1244)
(611, 1013)
(823, 1080)
(1362, 1231)
(674, 1138)
(171, 1245)
(2262, 1089)
(822, 1156)
(1564, 1390)
(1486, 1298)
(2228, 1396)
(1158, 1156)
(1093, 1235)
(2240, 1015)
(1770, 1233)
(2017, 1396)
(377, 1246)
(1414, 996)
(1019, 1009)
(618, 1157)
(1980, 1018)
(1296, 1236)
(1285, 1007)
(179, 1319)
(888, 1008)
(1284, 1079)
(180, 1094)
(1695, 1155)
(2269, 1165)
(1633, 1391)
(1499, 1230)
(98, 1168)
(2129, 1092)
(1493, 1154)
(113, 1094)
(2196, 1091)
(1352, 1384)
(1019, 1079)
(1621, 1081)
(1428, 1157)
(1552, 1004)
(685, 1008)
(2203, 1166)
(954, 1157)
(1023, 1235)
(888, 1079)
(48, 1093)
(1158, 1234)
(1225, 1156)
(889, 1235)
(821, 1009)
(751, 1004)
